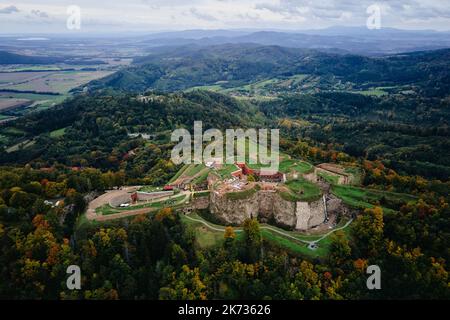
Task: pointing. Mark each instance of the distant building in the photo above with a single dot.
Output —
(275, 176)
(145, 136)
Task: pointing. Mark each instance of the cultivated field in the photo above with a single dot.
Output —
(57, 82)
(7, 104)
(9, 78)
(29, 88)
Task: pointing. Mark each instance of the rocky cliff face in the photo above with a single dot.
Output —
(234, 211)
(309, 214)
(284, 211)
(200, 203)
(268, 205)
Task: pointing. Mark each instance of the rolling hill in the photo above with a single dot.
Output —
(232, 65)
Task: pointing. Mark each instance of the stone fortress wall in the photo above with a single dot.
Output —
(268, 206)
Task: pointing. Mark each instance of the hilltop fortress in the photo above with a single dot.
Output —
(296, 198)
(236, 199)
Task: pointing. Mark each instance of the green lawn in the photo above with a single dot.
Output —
(330, 178)
(206, 237)
(240, 195)
(296, 247)
(150, 189)
(285, 165)
(226, 170)
(303, 167)
(201, 178)
(58, 133)
(107, 209)
(179, 173)
(289, 165)
(194, 169)
(304, 190)
(365, 198)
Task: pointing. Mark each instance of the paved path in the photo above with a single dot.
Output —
(334, 230)
(105, 198)
(275, 230)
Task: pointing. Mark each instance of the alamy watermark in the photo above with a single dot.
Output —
(374, 280)
(73, 282)
(237, 143)
(74, 19)
(374, 19)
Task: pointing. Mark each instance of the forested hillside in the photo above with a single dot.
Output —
(235, 65)
(96, 130)
(408, 134)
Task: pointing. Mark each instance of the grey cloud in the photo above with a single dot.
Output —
(332, 9)
(39, 13)
(419, 10)
(202, 16)
(9, 10)
(165, 3)
(246, 16)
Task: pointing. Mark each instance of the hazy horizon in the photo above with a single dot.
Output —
(212, 30)
(150, 16)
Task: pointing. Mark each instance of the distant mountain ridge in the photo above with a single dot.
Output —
(12, 58)
(356, 40)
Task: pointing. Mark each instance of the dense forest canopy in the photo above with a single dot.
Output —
(409, 134)
(54, 162)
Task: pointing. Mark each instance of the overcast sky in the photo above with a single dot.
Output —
(50, 16)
